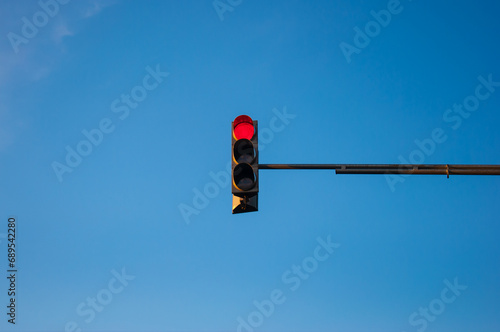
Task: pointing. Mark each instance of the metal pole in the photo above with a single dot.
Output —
(395, 168)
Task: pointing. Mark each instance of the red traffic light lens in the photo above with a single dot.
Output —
(243, 127)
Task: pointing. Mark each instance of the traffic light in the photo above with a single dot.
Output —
(245, 164)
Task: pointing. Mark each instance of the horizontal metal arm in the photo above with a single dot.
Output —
(394, 168)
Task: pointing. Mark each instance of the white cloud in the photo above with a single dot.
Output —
(60, 31)
(36, 60)
(96, 7)
(6, 130)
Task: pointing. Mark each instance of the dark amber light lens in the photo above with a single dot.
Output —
(244, 151)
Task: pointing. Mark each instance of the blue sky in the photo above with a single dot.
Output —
(115, 120)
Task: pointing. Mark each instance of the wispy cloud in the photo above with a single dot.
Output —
(38, 58)
(96, 7)
(61, 30)
(35, 60)
(94, 10)
(16, 69)
(30, 66)
(6, 133)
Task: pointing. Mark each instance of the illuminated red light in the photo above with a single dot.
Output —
(243, 127)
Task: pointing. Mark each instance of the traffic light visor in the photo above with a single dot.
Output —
(243, 127)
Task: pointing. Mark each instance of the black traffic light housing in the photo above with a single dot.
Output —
(245, 164)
